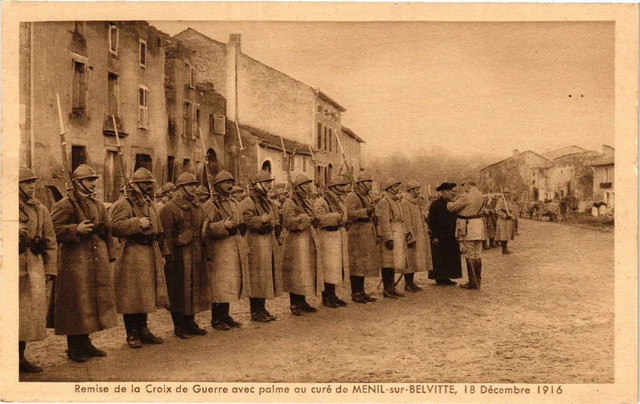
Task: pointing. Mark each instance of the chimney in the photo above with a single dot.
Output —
(516, 152)
(235, 40)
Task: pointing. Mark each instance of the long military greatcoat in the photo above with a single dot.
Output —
(226, 251)
(186, 272)
(446, 253)
(333, 249)
(392, 228)
(418, 246)
(140, 282)
(364, 253)
(469, 206)
(85, 300)
(505, 230)
(265, 264)
(301, 270)
(33, 269)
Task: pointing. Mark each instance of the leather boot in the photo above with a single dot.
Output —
(75, 350)
(505, 250)
(388, 283)
(359, 297)
(146, 337)
(179, 325)
(24, 365)
(492, 243)
(471, 285)
(90, 349)
(479, 272)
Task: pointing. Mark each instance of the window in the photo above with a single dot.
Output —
(113, 95)
(78, 156)
(171, 168)
(144, 161)
(266, 166)
(219, 124)
(330, 139)
(325, 138)
(191, 75)
(143, 107)
(198, 121)
(212, 124)
(114, 37)
(187, 121)
(112, 177)
(79, 88)
(143, 53)
(293, 162)
(319, 143)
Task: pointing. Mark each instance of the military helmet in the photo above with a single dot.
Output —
(169, 186)
(82, 172)
(26, 175)
(235, 189)
(202, 190)
(301, 179)
(364, 176)
(142, 175)
(413, 184)
(262, 176)
(337, 180)
(279, 189)
(390, 182)
(223, 176)
(186, 178)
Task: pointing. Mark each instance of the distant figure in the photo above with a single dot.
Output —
(507, 212)
(445, 249)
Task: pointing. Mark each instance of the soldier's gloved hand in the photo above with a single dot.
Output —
(145, 224)
(24, 231)
(389, 244)
(229, 223)
(84, 228)
(435, 241)
(370, 210)
(266, 218)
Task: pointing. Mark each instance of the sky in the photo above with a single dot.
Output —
(464, 87)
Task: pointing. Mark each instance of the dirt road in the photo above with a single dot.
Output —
(545, 314)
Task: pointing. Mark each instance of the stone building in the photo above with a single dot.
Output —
(521, 173)
(604, 177)
(98, 69)
(265, 101)
(570, 175)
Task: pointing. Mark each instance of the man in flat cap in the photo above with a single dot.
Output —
(445, 249)
(470, 230)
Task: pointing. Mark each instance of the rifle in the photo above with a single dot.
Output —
(68, 184)
(288, 160)
(506, 205)
(315, 168)
(120, 157)
(206, 163)
(352, 180)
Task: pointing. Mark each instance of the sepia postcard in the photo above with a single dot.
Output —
(319, 202)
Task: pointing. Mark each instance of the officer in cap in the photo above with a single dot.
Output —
(85, 300)
(140, 282)
(393, 235)
(37, 264)
(418, 246)
(333, 252)
(364, 253)
(470, 230)
(265, 271)
(300, 275)
(445, 250)
(186, 272)
(226, 252)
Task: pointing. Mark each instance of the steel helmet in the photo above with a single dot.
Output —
(26, 175)
(236, 188)
(262, 176)
(364, 176)
(84, 171)
(169, 186)
(186, 178)
(391, 182)
(301, 179)
(413, 184)
(337, 180)
(142, 175)
(202, 190)
(223, 176)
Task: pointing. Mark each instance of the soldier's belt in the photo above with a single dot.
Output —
(364, 220)
(143, 239)
(469, 217)
(332, 228)
(37, 245)
(263, 230)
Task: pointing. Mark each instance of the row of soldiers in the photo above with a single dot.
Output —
(190, 256)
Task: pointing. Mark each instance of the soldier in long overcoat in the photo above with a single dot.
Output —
(418, 245)
(85, 300)
(445, 249)
(470, 230)
(333, 252)
(301, 270)
(37, 264)
(364, 253)
(507, 212)
(393, 247)
(265, 264)
(186, 272)
(225, 251)
(140, 282)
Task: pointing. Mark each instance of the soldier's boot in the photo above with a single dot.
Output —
(478, 267)
(334, 297)
(369, 298)
(387, 283)
(471, 285)
(132, 327)
(258, 311)
(505, 250)
(224, 315)
(90, 349)
(357, 289)
(409, 284)
(75, 349)
(179, 325)
(392, 278)
(328, 294)
(192, 327)
(24, 365)
(492, 243)
(146, 337)
(218, 317)
(296, 304)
